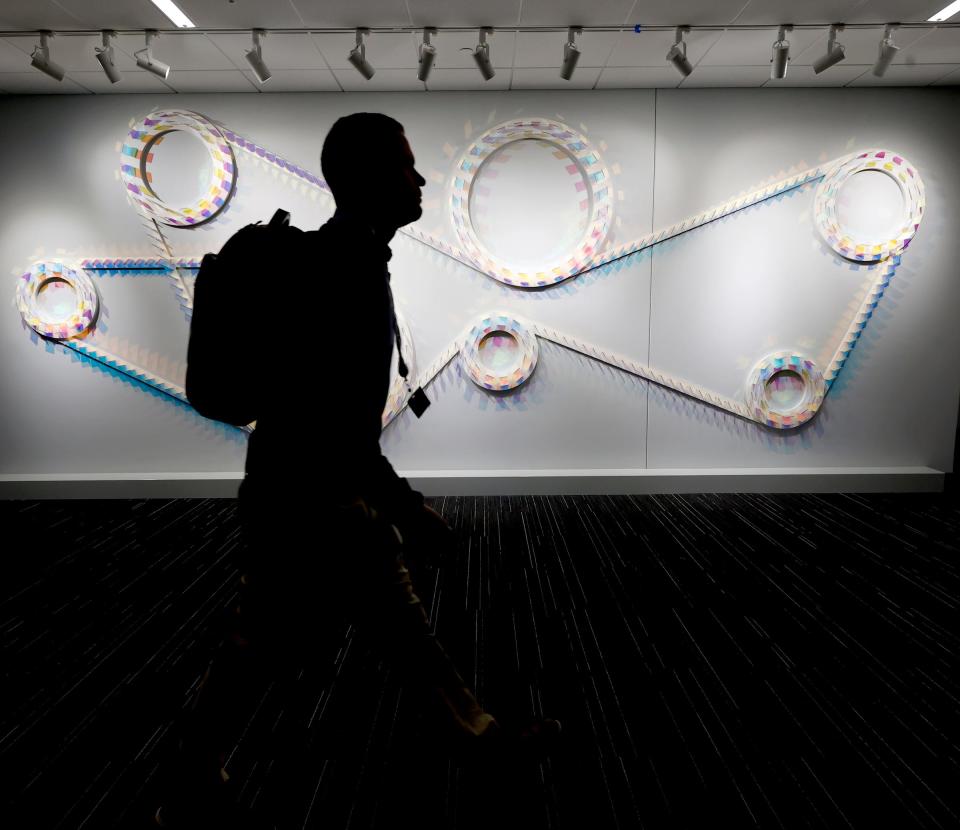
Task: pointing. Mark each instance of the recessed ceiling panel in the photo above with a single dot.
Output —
(115, 14)
(661, 77)
(297, 80)
(385, 50)
(443, 13)
(862, 45)
(456, 79)
(685, 12)
(39, 14)
(839, 75)
(385, 80)
(454, 49)
(904, 75)
(754, 47)
(280, 51)
(712, 76)
(650, 48)
(583, 78)
(904, 11)
(337, 14)
(133, 81)
(180, 51)
(205, 80)
(545, 49)
(775, 12)
(575, 12)
(242, 14)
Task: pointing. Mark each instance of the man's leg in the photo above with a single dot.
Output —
(387, 608)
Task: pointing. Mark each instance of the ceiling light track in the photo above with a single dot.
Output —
(642, 29)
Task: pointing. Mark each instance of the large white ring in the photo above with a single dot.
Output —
(827, 215)
(136, 153)
(804, 409)
(519, 371)
(32, 283)
(598, 193)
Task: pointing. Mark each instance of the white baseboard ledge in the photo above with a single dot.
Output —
(503, 482)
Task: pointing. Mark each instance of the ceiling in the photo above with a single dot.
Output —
(206, 61)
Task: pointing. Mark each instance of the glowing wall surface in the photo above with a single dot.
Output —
(700, 307)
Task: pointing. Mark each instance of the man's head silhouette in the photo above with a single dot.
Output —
(369, 166)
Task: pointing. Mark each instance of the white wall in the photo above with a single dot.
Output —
(705, 306)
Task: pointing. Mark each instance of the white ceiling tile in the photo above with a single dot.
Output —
(650, 48)
(544, 49)
(775, 12)
(280, 50)
(112, 14)
(297, 80)
(454, 49)
(917, 75)
(385, 50)
(754, 48)
(39, 14)
(14, 58)
(210, 80)
(74, 52)
(661, 77)
(685, 12)
(929, 46)
(35, 82)
(575, 12)
(134, 80)
(862, 45)
(242, 14)
(951, 79)
(905, 11)
(385, 80)
(180, 51)
(444, 13)
(337, 14)
(839, 75)
(583, 78)
(445, 79)
(710, 76)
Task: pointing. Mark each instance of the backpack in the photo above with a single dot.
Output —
(222, 380)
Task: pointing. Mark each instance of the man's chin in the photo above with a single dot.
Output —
(412, 215)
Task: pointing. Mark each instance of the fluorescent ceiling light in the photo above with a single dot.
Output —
(945, 14)
(175, 15)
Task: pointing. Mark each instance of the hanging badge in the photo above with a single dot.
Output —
(419, 402)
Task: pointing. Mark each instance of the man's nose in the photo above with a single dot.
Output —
(420, 180)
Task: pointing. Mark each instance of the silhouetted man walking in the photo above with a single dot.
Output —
(325, 515)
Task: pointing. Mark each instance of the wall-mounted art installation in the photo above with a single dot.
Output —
(784, 389)
(578, 241)
(500, 353)
(137, 157)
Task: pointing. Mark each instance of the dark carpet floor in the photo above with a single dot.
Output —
(716, 661)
